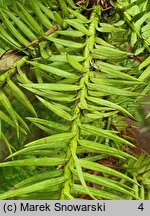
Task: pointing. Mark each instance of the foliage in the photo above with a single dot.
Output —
(71, 74)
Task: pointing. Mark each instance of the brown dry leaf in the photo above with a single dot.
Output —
(7, 61)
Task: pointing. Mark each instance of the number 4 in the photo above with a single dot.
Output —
(141, 207)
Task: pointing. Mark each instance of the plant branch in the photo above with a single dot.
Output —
(80, 105)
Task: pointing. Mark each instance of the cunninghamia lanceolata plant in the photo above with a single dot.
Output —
(71, 74)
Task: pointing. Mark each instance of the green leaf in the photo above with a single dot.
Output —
(71, 33)
(58, 18)
(112, 66)
(109, 53)
(57, 110)
(46, 10)
(44, 129)
(63, 7)
(53, 138)
(14, 31)
(20, 96)
(5, 141)
(107, 103)
(53, 70)
(113, 71)
(138, 2)
(7, 105)
(50, 124)
(39, 177)
(103, 169)
(115, 82)
(78, 15)
(110, 29)
(103, 149)
(98, 115)
(53, 95)
(107, 182)
(53, 87)
(43, 185)
(77, 25)
(35, 26)
(104, 133)
(35, 162)
(31, 149)
(8, 39)
(148, 115)
(5, 118)
(76, 65)
(145, 74)
(21, 26)
(22, 121)
(67, 43)
(41, 16)
(80, 174)
(63, 58)
(144, 63)
(100, 194)
(112, 90)
(103, 42)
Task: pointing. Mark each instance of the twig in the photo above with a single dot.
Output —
(50, 31)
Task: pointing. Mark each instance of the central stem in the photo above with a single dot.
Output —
(80, 104)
